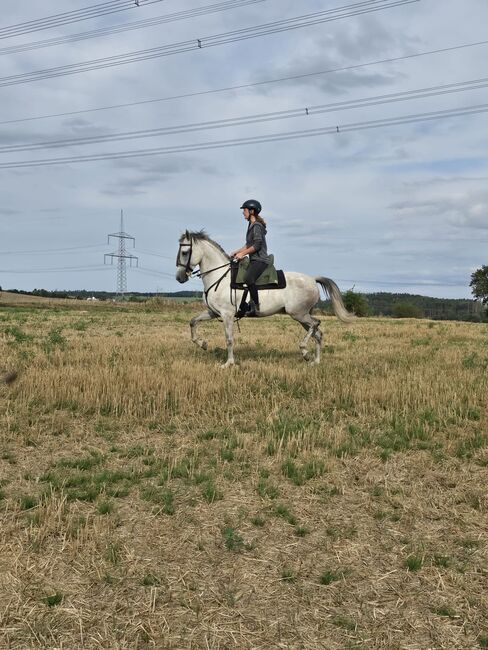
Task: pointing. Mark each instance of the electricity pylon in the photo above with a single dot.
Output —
(121, 256)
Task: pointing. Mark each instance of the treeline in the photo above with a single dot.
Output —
(83, 294)
(406, 305)
(396, 305)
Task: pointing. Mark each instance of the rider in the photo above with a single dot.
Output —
(255, 247)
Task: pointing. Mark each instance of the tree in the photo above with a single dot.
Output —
(479, 284)
(356, 303)
(407, 310)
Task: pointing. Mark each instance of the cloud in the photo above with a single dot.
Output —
(139, 175)
(466, 210)
(359, 43)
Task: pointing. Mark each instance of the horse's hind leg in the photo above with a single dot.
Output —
(311, 324)
(206, 315)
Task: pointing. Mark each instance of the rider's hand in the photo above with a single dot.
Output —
(238, 256)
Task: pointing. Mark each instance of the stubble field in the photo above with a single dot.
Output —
(149, 499)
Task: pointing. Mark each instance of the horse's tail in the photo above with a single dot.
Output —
(332, 291)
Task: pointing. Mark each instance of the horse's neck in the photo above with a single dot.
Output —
(212, 258)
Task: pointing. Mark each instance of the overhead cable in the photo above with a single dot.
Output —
(125, 27)
(303, 112)
(279, 26)
(64, 269)
(255, 140)
(75, 16)
(248, 85)
(51, 250)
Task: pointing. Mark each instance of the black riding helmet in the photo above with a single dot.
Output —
(252, 204)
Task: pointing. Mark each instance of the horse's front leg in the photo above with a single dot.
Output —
(206, 315)
(229, 339)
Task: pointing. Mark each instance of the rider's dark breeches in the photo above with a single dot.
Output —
(252, 274)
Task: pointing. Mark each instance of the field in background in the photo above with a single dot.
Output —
(149, 499)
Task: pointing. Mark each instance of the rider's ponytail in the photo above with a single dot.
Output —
(260, 219)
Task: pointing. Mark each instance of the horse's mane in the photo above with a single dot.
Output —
(201, 235)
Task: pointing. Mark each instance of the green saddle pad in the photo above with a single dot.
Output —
(268, 276)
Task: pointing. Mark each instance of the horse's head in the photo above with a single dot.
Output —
(188, 257)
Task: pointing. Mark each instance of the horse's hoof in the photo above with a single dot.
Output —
(204, 345)
(228, 364)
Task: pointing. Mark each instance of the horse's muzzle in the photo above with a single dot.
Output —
(182, 275)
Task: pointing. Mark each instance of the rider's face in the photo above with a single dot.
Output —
(246, 214)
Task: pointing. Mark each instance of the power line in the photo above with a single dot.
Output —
(303, 112)
(64, 269)
(70, 17)
(140, 24)
(248, 85)
(51, 250)
(235, 36)
(165, 257)
(275, 137)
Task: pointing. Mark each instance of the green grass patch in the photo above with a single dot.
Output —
(233, 540)
(281, 510)
(85, 463)
(467, 447)
(210, 492)
(162, 497)
(288, 575)
(345, 622)
(442, 561)
(328, 577)
(27, 502)
(150, 580)
(301, 531)
(414, 562)
(258, 521)
(18, 335)
(267, 490)
(105, 507)
(53, 599)
(113, 552)
(448, 612)
(300, 473)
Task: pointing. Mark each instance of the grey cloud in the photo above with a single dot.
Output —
(461, 210)
(8, 212)
(141, 174)
(368, 40)
(81, 127)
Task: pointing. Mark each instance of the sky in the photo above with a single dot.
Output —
(399, 207)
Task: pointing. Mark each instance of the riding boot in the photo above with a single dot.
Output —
(253, 309)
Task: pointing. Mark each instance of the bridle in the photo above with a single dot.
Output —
(188, 268)
(196, 273)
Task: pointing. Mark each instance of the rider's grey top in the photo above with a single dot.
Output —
(256, 237)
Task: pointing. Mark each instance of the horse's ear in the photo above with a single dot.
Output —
(187, 234)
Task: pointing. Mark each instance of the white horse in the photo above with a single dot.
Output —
(297, 299)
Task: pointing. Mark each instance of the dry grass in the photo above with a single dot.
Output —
(151, 500)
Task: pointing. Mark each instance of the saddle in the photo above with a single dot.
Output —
(270, 278)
